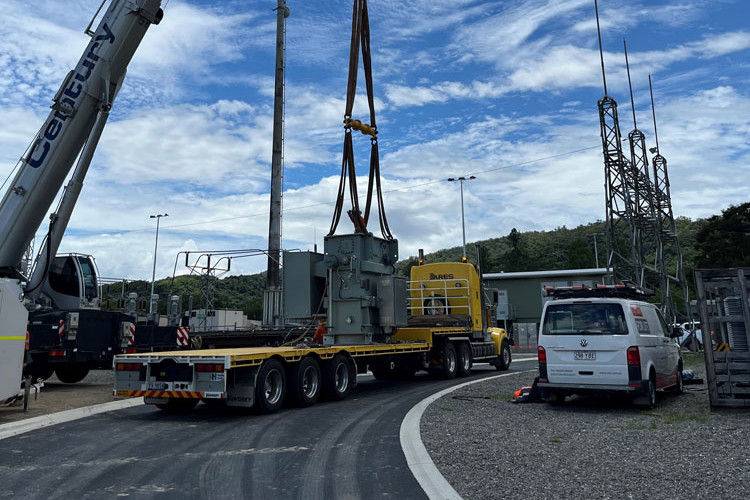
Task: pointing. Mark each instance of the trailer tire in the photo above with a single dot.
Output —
(70, 373)
(270, 387)
(464, 359)
(503, 362)
(178, 405)
(337, 378)
(450, 365)
(305, 382)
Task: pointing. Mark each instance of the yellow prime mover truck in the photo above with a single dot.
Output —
(438, 321)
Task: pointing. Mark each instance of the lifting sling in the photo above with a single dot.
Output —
(360, 36)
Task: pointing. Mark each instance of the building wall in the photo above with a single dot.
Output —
(525, 290)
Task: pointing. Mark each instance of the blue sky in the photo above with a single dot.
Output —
(503, 90)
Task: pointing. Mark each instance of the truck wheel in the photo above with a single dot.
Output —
(337, 378)
(40, 371)
(270, 386)
(72, 372)
(304, 382)
(435, 306)
(450, 366)
(178, 405)
(464, 359)
(505, 357)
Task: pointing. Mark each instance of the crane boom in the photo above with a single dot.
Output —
(86, 91)
(79, 111)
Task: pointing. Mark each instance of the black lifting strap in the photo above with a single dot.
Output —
(360, 36)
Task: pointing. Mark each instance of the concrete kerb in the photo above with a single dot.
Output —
(15, 428)
(421, 465)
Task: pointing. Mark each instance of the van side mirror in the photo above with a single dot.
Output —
(676, 332)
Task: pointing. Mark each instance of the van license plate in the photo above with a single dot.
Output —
(584, 355)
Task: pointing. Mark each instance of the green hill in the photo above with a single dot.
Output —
(719, 241)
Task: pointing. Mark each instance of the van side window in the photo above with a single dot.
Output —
(663, 323)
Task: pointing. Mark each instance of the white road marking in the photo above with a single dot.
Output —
(15, 428)
(422, 467)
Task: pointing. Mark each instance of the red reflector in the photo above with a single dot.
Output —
(128, 367)
(542, 354)
(56, 353)
(209, 368)
(129, 350)
(634, 357)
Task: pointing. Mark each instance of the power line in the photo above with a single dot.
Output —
(406, 188)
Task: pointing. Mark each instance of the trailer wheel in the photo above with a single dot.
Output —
(337, 378)
(450, 366)
(503, 363)
(178, 405)
(464, 359)
(304, 382)
(270, 386)
(70, 373)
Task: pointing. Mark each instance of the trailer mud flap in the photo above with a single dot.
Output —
(242, 391)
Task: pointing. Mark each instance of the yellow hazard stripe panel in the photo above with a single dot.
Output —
(160, 394)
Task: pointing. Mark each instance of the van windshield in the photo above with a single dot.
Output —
(588, 318)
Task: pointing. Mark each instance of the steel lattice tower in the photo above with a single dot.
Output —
(669, 245)
(640, 225)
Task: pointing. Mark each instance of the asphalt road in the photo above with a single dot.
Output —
(342, 450)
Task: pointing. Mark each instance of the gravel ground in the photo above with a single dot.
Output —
(56, 396)
(489, 448)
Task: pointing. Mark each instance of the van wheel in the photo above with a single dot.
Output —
(557, 399)
(679, 387)
(304, 382)
(177, 405)
(505, 357)
(337, 378)
(450, 366)
(270, 386)
(650, 402)
(464, 359)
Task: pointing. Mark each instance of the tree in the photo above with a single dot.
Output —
(724, 241)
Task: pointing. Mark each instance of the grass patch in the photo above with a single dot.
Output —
(693, 359)
(445, 408)
(672, 417)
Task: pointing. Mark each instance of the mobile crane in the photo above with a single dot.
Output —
(71, 131)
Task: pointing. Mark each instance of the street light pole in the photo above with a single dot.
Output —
(596, 252)
(153, 272)
(463, 224)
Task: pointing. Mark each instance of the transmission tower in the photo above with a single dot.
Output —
(644, 212)
(669, 245)
(622, 235)
(641, 229)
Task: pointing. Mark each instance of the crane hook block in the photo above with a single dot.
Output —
(365, 128)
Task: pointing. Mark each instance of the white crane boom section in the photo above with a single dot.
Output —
(87, 92)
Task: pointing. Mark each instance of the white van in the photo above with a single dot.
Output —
(589, 345)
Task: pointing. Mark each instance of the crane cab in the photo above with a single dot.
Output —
(72, 282)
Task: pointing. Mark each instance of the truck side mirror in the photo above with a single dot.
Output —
(676, 332)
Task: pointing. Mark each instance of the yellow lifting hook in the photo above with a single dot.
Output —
(362, 127)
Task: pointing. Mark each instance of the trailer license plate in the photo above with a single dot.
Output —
(158, 386)
(585, 355)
